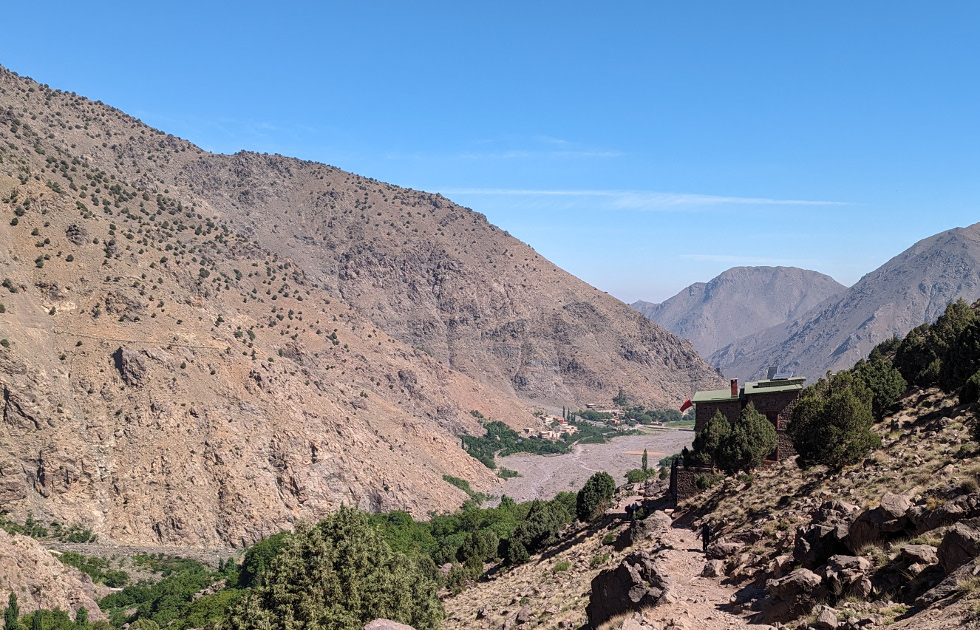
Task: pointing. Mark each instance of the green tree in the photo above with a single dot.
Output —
(970, 392)
(339, 575)
(643, 462)
(711, 436)
(832, 422)
(920, 356)
(595, 497)
(961, 359)
(12, 613)
(751, 439)
(81, 618)
(620, 398)
(884, 381)
(258, 558)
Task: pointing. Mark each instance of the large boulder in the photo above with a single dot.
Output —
(960, 545)
(723, 549)
(638, 582)
(131, 366)
(919, 554)
(800, 590)
(848, 575)
(652, 527)
(886, 522)
(950, 585)
(825, 535)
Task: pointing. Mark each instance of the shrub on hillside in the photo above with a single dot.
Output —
(921, 354)
(339, 575)
(750, 440)
(832, 422)
(970, 392)
(884, 381)
(595, 497)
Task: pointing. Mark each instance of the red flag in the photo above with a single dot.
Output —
(687, 405)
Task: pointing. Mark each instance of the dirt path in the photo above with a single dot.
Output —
(700, 603)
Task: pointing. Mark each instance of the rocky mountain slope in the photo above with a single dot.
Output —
(28, 570)
(200, 349)
(910, 289)
(739, 302)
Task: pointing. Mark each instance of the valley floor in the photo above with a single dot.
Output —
(542, 477)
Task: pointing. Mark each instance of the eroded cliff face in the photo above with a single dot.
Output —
(201, 349)
(39, 580)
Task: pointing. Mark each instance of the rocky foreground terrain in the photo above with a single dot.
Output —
(739, 302)
(197, 350)
(891, 542)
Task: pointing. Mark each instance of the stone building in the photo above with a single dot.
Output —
(775, 398)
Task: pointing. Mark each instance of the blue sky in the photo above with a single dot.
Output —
(641, 146)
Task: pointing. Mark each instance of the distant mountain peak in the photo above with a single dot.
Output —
(912, 288)
(739, 302)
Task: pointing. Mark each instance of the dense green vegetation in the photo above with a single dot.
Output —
(96, 568)
(339, 573)
(54, 530)
(163, 601)
(502, 440)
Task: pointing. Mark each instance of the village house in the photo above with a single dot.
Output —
(774, 397)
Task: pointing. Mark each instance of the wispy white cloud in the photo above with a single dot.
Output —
(538, 155)
(642, 200)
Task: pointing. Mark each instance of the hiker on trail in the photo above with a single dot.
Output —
(705, 536)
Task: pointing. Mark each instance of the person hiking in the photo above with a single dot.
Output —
(705, 535)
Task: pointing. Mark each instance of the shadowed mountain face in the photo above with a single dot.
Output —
(739, 302)
(199, 349)
(910, 289)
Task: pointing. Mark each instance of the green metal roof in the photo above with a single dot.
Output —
(774, 385)
(713, 395)
(766, 386)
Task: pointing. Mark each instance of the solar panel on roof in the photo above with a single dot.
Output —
(783, 376)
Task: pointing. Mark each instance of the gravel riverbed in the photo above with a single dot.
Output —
(544, 476)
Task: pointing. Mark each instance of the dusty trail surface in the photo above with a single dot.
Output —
(701, 603)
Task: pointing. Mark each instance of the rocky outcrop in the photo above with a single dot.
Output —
(960, 545)
(650, 528)
(848, 576)
(131, 366)
(880, 524)
(638, 582)
(798, 592)
(950, 584)
(825, 536)
(41, 581)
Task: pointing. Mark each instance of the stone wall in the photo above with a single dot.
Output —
(784, 446)
(704, 411)
(777, 406)
(683, 482)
